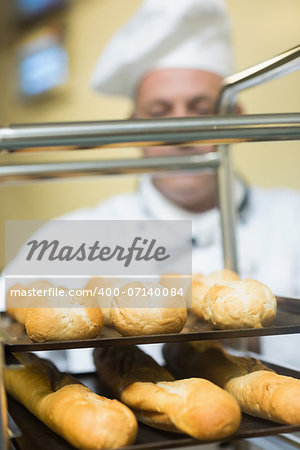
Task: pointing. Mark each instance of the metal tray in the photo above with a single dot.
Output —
(287, 322)
(35, 435)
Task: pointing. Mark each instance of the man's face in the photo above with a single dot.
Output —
(181, 93)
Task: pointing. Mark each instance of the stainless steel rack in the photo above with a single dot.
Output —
(221, 130)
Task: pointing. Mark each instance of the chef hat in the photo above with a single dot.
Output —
(190, 34)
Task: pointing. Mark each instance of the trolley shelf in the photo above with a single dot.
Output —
(35, 435)
(287, 322)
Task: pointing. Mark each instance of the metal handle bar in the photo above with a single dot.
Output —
(191, 130)
(273, 68)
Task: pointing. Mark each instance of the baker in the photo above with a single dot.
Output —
(170, 59)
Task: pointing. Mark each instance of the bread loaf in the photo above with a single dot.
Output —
(258, 390)
(239, 304)
(64, 323)
(131, 316)
(61, 318)
(16, 306)
(202, 283)
(193, 406)
(180, 283)
(107, 287)
(87, 420)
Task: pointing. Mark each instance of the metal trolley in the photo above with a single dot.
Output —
(222, 130)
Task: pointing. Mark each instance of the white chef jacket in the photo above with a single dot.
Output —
(268, 238)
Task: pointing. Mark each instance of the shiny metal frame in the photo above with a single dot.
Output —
(186, 131)
(41, 171)
(277, 67)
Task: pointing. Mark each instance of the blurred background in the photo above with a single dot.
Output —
(48, 49)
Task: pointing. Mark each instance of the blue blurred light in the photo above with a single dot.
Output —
(33, 7)
(43, 70)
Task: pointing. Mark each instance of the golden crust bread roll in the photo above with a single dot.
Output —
(71, 321)
(193, 406)
(107, 286)
(239, 304)
(20, 312)
(87, 420)
(166, 314)
(178, 282)
(202, 283)
(258, 390)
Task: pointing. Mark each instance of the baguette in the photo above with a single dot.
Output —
(86, 420)
(259, 391)
(194, 406)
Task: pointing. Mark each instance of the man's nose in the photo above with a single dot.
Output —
(179, 110)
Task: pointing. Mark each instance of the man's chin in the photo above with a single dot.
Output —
(188, 191)
(185, 184)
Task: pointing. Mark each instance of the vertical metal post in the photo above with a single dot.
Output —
(227, 208)
(4, 439)
(228, 214)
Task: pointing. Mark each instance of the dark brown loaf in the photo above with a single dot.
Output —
(194, 406)
(87, 420)
(259, 391)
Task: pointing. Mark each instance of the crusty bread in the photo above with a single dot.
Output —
(239, 304)
(258, 390)
(202, 283)
(131, 316)
(71, 321)
(62, 324)
(107, 285)
(87, 420)
(194, 406)
(17, 313)
(22, 302)
(178, 282)
(61, 318)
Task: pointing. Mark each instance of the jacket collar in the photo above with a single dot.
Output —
(205, 226)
